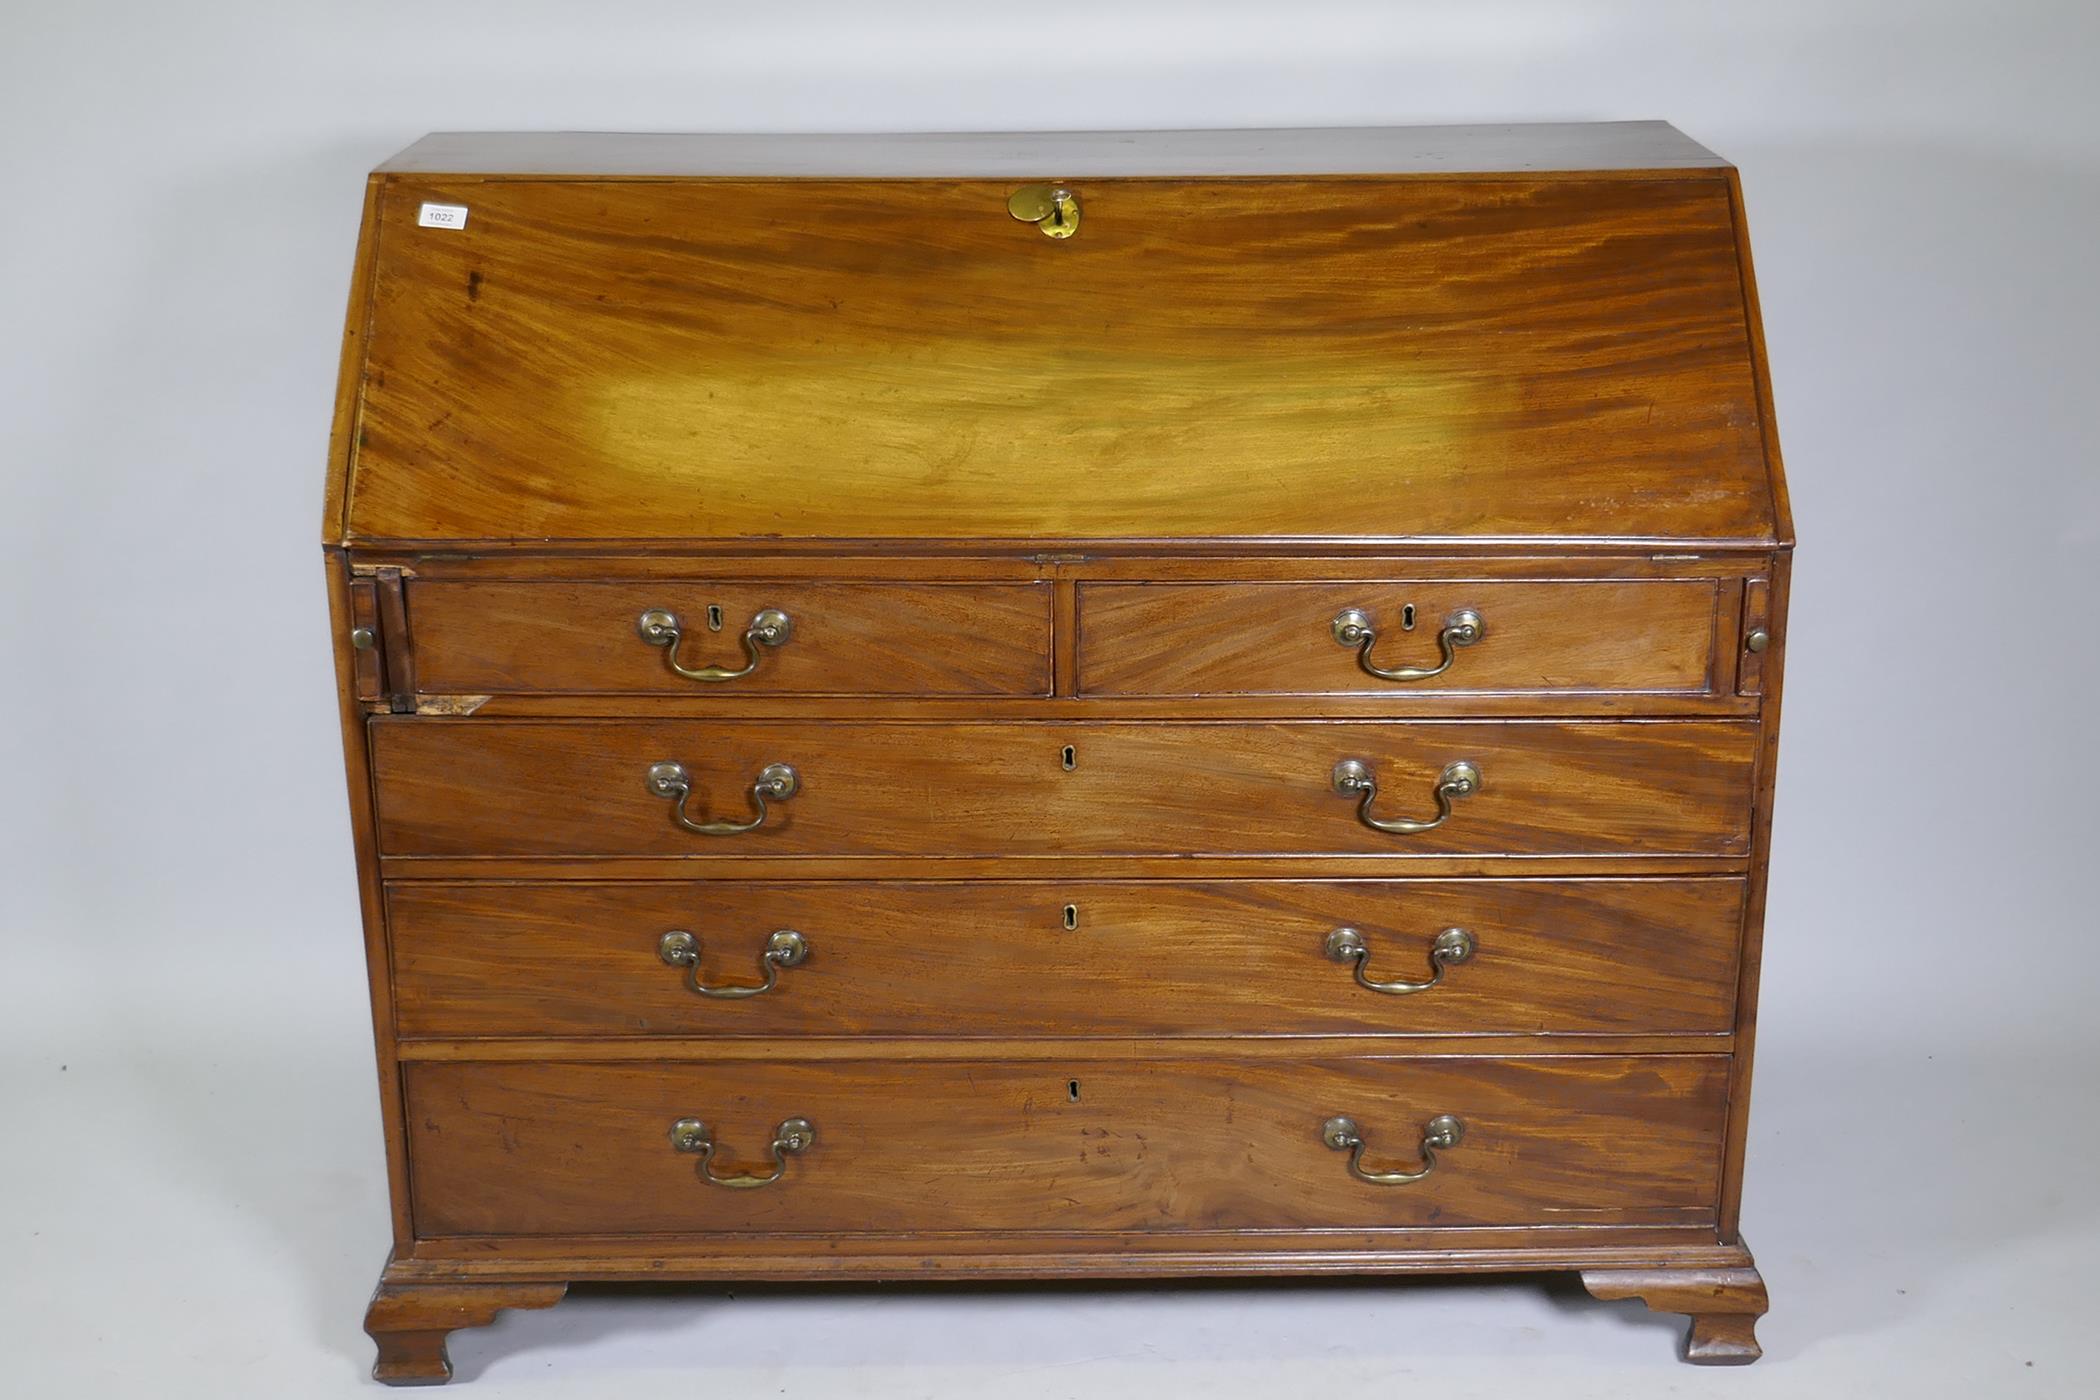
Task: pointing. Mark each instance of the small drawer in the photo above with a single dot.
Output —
(1428, 637)
(1398, 788)
(875, 1147)
(1064, 958)
(494, 638)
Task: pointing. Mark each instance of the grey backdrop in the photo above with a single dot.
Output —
(193, 1187)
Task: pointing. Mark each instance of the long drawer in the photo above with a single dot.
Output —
(618, 787)
(1044, 958)
(805, 638)
(572, 1148)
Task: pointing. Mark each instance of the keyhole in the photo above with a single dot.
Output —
(1407, 618)
(1072, 1090)
(1071, 916)
(714, 617)
(1070, 758)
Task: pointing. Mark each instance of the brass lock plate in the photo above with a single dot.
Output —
(1052, 208)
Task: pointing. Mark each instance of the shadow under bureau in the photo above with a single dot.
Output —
(1058, 706)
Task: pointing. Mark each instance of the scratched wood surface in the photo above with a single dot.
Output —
(1290, 358)
(561, 1148)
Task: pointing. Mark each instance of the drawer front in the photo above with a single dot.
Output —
(581, 787)
(567, 1148)
(1547, 637)
(1046, 959)
(838, 639)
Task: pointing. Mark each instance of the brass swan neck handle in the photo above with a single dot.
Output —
(785, 948)
(1352, 627)
(1352, 778)
(776, 782)
(794, 1135)
(1439, 1134)
(769, 627)
(1453, 945)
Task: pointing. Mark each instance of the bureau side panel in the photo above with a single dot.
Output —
(350, 374)
(357, 772)
(1774, 665)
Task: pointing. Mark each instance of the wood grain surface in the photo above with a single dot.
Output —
(984, 959)
(964, 1256)
(566, 1148)
(1062, 526)
(1571, 639)
(409, 1322)
(577, 787)
(845, 639)
(1724, 1305)
(1529, 358)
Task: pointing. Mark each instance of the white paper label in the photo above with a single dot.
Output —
(443, 216)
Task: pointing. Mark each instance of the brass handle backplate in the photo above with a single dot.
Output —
(770, 627)
(1352, 778)
(776, 782)
(792, 1136)
(786, 948)
(1453, 945)
(1352, 628)
(1439, 1134)
(1051, 208)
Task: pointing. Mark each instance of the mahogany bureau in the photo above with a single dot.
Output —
(1058, 706)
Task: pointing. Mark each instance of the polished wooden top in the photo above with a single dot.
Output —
(1066, 155)
(1414, 360)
